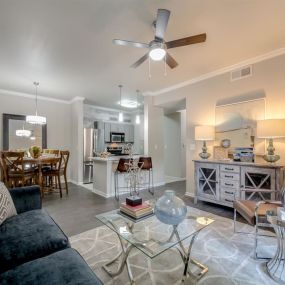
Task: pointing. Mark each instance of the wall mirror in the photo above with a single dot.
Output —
(236, 120)
(14, 140)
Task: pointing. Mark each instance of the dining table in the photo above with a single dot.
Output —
(47, 159)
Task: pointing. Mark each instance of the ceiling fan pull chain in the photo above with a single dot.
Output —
(165, 71)
(149, 73)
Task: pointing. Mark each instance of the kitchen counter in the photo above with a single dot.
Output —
(103, 175)
(114, 157)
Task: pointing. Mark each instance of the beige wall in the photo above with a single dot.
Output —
(201, 97)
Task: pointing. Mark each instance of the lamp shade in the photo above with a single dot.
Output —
(204, 133)
(271, 128)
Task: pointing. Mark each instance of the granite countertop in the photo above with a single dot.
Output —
(231, 162)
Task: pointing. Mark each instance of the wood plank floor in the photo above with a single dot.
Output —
(76, 212)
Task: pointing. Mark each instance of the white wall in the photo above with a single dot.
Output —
(172, 145)
(76, 121)
(138, 135)
(57, 114)
(201, 97)
(60, 134)
(154, 138)
(183, 142)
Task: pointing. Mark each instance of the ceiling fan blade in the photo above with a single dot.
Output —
(186, 41)
(172, 63)
(140, 61)
(130, 43)
(161, 23)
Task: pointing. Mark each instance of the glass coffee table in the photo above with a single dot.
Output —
(152, 238)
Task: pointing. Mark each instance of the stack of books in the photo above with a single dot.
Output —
(136, 212)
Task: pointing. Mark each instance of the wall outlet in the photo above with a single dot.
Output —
(155, 147)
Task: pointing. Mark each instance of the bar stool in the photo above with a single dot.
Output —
(147, 166)
(122, 168)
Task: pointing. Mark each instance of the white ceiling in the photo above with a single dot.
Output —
(66, 45)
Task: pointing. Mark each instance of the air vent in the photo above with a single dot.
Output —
(127, 120)
(241, 73)
(114, 119)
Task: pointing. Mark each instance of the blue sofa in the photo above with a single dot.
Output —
(33, 248)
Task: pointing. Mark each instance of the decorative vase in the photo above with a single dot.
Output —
(170, 209)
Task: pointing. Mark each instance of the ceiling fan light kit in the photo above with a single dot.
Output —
(158, 48)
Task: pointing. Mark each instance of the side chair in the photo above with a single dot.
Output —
(254, 212)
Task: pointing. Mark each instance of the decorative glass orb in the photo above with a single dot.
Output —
(170, 209)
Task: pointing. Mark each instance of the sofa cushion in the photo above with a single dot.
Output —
(62, 268)
(28, 236)
(7, 207)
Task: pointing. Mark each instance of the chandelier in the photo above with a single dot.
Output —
(35, 119)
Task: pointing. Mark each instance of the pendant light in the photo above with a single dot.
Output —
(138, 119)
(35, 119)
(121, 116)
(23, 133)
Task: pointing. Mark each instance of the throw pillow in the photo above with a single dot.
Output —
(7, 207)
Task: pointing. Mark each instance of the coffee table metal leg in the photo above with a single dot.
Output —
(123, 254)
(124, 261)
(186, 257)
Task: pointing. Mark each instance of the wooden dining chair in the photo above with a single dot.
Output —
(57, 171)
(51, 151)
(2, 172)
(15, 171)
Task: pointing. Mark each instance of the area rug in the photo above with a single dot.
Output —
(229, 256)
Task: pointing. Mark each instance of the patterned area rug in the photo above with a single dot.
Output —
(228, 256)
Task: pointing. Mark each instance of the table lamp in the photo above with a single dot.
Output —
(204, 133)
(271, 129)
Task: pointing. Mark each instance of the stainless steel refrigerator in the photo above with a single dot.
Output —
(93, 141)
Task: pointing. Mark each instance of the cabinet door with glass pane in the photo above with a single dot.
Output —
(207, 180)
(263, 179)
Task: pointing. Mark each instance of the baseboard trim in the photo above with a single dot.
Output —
(191, 195)
(100, 193)
(174, 179)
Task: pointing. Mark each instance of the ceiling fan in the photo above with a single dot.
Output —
(158, 47)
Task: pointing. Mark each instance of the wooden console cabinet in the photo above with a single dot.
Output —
(221, 182)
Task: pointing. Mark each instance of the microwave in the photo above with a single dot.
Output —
(117, 137)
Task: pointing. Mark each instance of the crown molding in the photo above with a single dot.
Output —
(75, 99)
(4, 92)
(217, 72)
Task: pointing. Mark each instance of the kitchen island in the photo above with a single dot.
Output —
(103, 175)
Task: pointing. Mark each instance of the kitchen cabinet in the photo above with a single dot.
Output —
(129, 133)
(128, 130)
(107, 131)
(115, 128)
